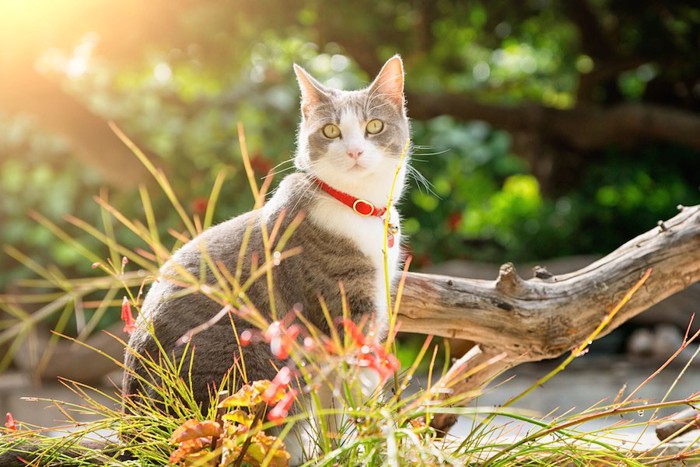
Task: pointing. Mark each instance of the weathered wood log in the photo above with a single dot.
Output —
(540, 318)
(675, 310)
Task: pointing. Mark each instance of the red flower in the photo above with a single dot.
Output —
(278, 348)
(10, 424)
(329, 345)
(246, 337)
(279, 383)
(293, 331)
(417, 423)
(280, 411)
(127, 317)
(352, 329)
(309, 344)
(392, 363)
(199, 205)
(281, 339)
(272, 331)
(376, 358)
(283, 377)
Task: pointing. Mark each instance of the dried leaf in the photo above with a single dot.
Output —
(188, 449)
(247, 396)
(239, 417)
(255, 453)
(280, 458)
(193, 429)
(261, 446)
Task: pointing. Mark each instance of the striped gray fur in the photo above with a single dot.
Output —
(324, 260)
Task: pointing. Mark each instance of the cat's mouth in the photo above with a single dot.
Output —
(360, 165)
(357, 168)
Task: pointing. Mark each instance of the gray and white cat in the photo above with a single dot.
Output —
(350, 141)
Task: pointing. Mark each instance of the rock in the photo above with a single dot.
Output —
(641, 343)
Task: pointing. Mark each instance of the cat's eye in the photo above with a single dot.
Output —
(375, 126)
(331, 131)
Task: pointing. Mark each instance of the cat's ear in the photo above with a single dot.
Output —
(389, 81)
(312, 92)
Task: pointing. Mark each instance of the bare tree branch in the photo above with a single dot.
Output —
(537, 319)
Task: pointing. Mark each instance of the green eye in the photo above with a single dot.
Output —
(331, 131)
(375, 126)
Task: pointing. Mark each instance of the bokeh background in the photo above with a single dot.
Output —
(545, 128)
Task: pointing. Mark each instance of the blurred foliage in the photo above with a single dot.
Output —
(39, 175)
(180, 95)
(484, 205)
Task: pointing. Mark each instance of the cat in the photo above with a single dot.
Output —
(349, 150)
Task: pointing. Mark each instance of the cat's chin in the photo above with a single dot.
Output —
(352, 172)
(368, 179)
(359, 174)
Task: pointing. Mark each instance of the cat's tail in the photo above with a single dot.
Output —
(14, 453)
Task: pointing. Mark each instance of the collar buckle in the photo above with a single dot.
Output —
(363, 208)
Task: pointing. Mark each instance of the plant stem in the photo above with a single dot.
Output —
(258, 415)
(218, 418)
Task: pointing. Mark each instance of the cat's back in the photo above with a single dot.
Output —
(218, 246)
(215, 254)
(176, 304)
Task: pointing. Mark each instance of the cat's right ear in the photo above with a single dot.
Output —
(312, 92)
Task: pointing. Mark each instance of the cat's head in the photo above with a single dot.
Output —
(353, 140)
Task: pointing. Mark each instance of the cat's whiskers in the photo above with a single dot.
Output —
(305, 174)
(312, 185)
(418, 147)
(421, 181)
(414, 173)
(273, 171)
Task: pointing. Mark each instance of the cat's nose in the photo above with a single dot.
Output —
(354, 153)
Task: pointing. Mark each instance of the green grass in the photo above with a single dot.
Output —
(390, 429)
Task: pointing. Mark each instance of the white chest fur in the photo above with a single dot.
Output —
(368, 235)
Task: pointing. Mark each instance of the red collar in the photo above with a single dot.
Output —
(360, 206)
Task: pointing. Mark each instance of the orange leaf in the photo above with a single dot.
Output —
(189, 448)
(193, 429)
(261, 446)
(247, 396)
(239, 417)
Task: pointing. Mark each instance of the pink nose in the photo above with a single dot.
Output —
(354, 153)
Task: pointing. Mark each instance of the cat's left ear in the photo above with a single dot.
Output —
(389, 81)
(312, 92)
